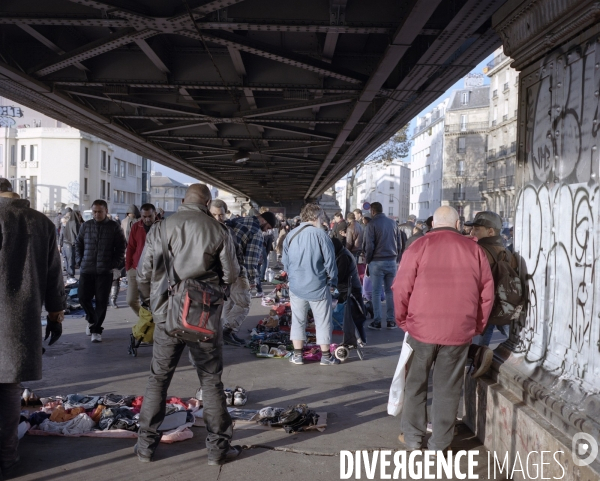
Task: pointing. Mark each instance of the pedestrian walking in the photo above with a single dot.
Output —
(30, 275)
(133, 214)
(443, 295)
(191, 233)
(135, 246)
(100, 248)
(353, 236)
(309, 260)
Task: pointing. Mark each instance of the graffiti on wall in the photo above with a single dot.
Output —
(558, 209)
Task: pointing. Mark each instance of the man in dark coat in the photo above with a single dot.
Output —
(67, 238)
(99, 249)
(30, 275)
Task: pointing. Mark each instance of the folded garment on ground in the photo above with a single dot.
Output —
(78, 425)
(61, 415)
(174, 420)
(116, 400)
(119, 418)
(80, 401)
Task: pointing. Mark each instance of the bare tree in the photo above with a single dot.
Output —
(395, 148)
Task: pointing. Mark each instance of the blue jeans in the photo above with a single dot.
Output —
(382, 274)
(486, 337)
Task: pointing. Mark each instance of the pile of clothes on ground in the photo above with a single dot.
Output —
(110, 415)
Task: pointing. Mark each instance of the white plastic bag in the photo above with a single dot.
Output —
(396, 399)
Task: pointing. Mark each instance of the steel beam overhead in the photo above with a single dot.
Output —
(309, 89)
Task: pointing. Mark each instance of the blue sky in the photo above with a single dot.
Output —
(458, 85)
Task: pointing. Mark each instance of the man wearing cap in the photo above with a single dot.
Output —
(30, 275)
(248, 233)
(486, 227)
(443, 293)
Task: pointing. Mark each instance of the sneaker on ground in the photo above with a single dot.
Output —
(329, 361)
(482, 360)
(239, 396)
(87, 330)
(375, 325)
(391, 325)
(228, 397)
(296, 359)
(230, 455)
(229, 340)
(258, 294)
(96, 337)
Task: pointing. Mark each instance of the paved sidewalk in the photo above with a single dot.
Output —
(353, 394)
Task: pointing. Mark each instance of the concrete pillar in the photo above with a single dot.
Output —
(543, 391)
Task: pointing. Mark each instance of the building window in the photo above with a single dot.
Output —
(108, 190)
(144, 164)
(391, 211)
(85, 189)
(86, 157)
(116, 171)
(463, 122)
(156, 191)
(462, 145)
(13, 155)
(116, 196)
(103, 189)
(392, 171)
(122, 197)
(103, 160)
(109, 168)
(465, 98)
(131, 170)
(122, 166)
(33, 152)
(391, 198)
(23, 153)
(391, 185)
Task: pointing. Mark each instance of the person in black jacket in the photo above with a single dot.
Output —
(30, 275)
(99, 249)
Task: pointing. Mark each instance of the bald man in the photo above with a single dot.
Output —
(199, 248)
(443, 296)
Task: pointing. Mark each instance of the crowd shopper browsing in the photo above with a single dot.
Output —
(309, 260)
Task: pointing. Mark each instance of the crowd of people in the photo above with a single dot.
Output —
(437, 284)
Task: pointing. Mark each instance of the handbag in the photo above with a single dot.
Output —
(194, 307)
(396, 398)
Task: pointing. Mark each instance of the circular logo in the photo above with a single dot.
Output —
(366, 206)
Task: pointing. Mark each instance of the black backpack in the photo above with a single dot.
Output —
(509, 294)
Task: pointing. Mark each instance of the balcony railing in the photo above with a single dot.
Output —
(497, 60)
(460, 173)
(490, 154)
(502, 151)
(465, 127)
(459, 196)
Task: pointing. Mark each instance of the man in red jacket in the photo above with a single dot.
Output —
(443, 295)
(135, 246)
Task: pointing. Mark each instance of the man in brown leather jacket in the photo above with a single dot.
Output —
(200, 247)
(354, 235)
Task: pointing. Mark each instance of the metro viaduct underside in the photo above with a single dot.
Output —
(305, 88)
